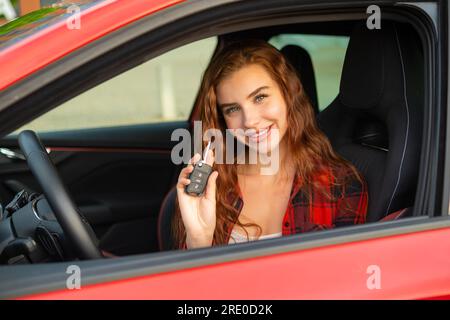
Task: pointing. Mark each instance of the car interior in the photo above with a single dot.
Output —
(375, 120)
(125, 189)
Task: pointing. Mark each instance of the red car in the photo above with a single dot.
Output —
(101, 85)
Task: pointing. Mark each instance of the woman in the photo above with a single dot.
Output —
(250, 86)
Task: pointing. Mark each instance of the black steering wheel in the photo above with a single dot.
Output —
(74, 225)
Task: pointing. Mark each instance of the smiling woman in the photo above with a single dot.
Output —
(250, 87)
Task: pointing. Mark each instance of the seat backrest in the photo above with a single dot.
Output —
(300, 59)
(375, 122)
(166, 212)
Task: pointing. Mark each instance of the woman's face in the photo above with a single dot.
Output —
(251, 100)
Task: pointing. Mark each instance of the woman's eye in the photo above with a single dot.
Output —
(231, 110)
(260, 98)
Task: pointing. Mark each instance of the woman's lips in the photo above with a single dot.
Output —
(261, 134)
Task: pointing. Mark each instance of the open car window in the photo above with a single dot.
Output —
(163, 89)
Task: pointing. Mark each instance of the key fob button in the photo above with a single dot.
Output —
(197, 174)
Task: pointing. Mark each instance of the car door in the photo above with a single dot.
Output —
(405, 258)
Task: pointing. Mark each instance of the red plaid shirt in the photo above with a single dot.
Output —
(314, 212)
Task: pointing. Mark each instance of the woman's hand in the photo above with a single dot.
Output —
(198, 213)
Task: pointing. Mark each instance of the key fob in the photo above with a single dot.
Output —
(199, 178)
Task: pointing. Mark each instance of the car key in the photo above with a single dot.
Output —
(199, 176)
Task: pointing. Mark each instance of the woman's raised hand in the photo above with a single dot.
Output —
(198, 212)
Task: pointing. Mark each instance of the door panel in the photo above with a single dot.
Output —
(117, 177)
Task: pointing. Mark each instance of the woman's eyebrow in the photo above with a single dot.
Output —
(221, 106)
(256, 91)
(248, 97)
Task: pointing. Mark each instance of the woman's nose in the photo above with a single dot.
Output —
(251, 119)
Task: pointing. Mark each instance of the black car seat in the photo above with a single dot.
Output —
(300, 59)
(166, 212)
(376, 120)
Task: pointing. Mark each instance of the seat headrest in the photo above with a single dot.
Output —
(300, 59)
(371, 71)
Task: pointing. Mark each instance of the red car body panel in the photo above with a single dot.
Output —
(413, 266)
(35, 52)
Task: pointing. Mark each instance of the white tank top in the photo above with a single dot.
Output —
(237, 237)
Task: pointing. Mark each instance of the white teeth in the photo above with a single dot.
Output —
(260, 133)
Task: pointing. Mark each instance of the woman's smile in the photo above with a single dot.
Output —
(256, 136)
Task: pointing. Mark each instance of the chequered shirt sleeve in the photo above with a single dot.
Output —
(352, 204)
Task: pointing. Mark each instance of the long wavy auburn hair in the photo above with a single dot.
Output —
(309, 148)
